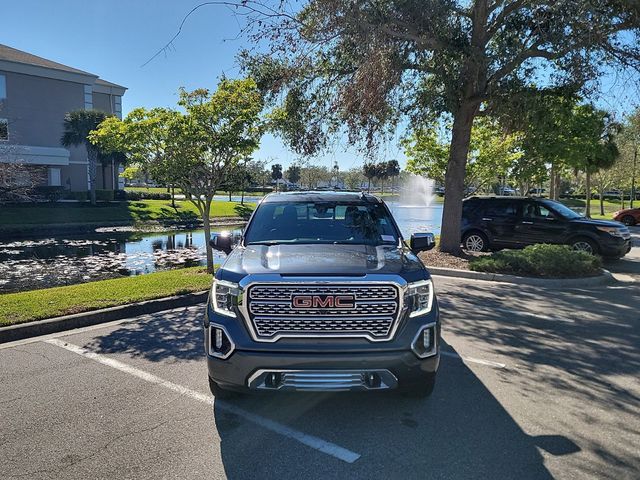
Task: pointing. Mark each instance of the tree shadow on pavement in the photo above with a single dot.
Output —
(170, 335)
(460, 432)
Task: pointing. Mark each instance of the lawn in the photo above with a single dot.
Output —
(52, 302)
(105, 213)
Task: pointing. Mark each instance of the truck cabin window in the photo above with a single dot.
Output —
(323, 222)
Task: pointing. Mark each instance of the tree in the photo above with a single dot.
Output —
(393, 169)
(368, 65)
(353, 178)
(77, 127)
(593, 144)
(493, 153)
(293, 174)
(370, 171)
(194, 150)
(276, 173)
(629, 145)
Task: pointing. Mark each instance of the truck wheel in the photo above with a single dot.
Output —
(584, 244)
(421, 389)
(475, 242)
(220, 392)
(628, 220)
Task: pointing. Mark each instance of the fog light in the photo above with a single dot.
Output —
(425, 343)
(220, 343)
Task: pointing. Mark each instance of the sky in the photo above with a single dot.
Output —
(114, 38)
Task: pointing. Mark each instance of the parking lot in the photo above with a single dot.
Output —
(534, 383)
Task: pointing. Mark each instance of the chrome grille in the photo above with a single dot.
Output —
(373, 313)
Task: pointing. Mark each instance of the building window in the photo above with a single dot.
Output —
(4, 129)
(88, 97)
(54, 177)
(3, 87)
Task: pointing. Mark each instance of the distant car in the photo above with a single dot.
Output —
(507, 192)
(440, 190)
(628, 216)
(515, 222)
(537, 191)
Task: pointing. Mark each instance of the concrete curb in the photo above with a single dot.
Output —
(604, 279)
(79, 320)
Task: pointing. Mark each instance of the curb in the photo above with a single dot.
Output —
(603, 279)
(94, 317)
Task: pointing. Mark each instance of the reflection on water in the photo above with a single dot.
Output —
(32, 264)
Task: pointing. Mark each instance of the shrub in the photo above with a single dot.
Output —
(137, 195)
(50, 193)
(552, 261)
(104, 195)
(80, 196)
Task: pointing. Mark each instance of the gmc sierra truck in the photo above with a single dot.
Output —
(320, 292)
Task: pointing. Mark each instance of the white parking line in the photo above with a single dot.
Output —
(479, 361)
(309, 440)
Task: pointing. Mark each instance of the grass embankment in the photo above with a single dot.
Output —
(106, 213)
(53, 302)
(549, 261)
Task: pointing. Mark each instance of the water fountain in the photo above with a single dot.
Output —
(417, 191)
(416, 209)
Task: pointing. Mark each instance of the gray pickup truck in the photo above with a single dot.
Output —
(321, 293)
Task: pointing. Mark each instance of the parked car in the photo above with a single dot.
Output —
(537, 192)
(320, 292)
(628, 216)
(507, 222)
(506, 191)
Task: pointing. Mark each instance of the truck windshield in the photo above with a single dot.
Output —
(321, 222)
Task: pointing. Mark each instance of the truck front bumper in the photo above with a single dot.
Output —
(245, 370)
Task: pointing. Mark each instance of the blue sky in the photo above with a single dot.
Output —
(114, 38)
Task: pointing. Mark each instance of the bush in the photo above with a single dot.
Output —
(49, 193)
(79, 196)
(137, 195)
(104, 195)
(552, 261)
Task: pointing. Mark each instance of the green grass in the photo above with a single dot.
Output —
(105, 213)
(549, 261)
(52, 302)
(150, 190)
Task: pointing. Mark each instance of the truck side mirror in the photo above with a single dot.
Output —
(422, 241)
(222, 241)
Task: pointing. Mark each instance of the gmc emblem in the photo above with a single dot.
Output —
(323, 301)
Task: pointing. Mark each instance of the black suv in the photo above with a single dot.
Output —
(320, 292)
(508, 222)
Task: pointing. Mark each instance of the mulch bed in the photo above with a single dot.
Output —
(438, 259)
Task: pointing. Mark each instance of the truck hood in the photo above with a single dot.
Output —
(321, 260)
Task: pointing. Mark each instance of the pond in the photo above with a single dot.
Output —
(47, 262)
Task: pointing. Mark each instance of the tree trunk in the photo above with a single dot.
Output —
(173, 198)
(229, 195)
(104, 177)
(588, 194)
(93, 167)
(369, 185)
(382, 187)
(454, 179)
(602, 200)
(206, 221)
(552, 182)
(557, 180)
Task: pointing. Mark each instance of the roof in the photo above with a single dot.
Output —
(102, 82)
(320, 196)
(11, 54)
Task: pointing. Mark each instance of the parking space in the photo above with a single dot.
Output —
(535, 383)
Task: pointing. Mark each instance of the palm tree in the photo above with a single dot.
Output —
(77, 125)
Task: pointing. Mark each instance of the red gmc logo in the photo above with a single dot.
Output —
(323, 301)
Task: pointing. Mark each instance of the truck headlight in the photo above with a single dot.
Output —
(420, 296)
(224, 296)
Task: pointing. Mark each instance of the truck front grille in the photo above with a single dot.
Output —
(289, 310)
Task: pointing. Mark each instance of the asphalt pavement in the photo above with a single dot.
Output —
(534, 384)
